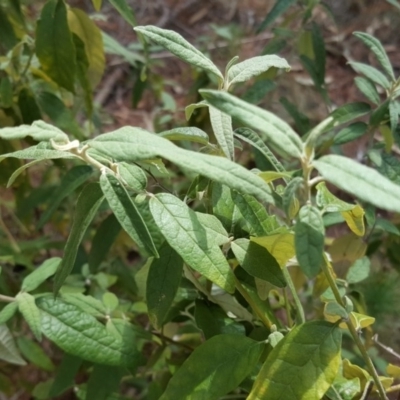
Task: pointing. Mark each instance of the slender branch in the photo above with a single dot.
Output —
(386, 348)
(6, 299)
(354, 334)
(300, 317)
(169, 340)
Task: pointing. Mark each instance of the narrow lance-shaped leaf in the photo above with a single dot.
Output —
(8, 312)
(74, 178)
(8, 350)
(368, 89)
(30, 312)
(190, 133)
(258, 261)
(309, 240)
(54, 46)
(363, 182)
(371, 73)
(380, 53)
(302, 366)
(184, 233)
(127, 213)
(255, 66)
(279, 8)
(40, 274)
(177, 45)
(222, 128)
(276, 131)
(215, 368)
(91, 340)
(87, 205)
(135, 144)
(34, 353)
(124, 9)
(162, 283)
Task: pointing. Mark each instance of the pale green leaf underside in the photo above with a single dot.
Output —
(135, 144)
(222, 128)
(80, 334)
(185, 234)
(177, 45)
(30, 312)
(214, 368)
(190, 133)
(8, 350)
(255, 66)
(302, 366)
(275, 131)
(40, 274)
(361, 181)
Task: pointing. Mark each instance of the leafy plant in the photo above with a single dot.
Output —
(243, 290)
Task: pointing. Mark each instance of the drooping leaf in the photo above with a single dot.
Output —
(8, 350)
(92, 342)
(355, 219)
(222, 128)
(30, 312)
(74, 178)
(258, 261)
(40, 274)
(122, 6)
(215, 368)
(277, 132)
(255, 66)
(371, 73)
(177, 45)
(87, 205)
(279, 8)
(34, 353)
(302, 366)
(309, 240)
(127, 214)
(162, 283)
(184, 233)
(65, 374)
(102, 241)
(190, 133)
(380, 53)
(360, 180)
(38, 153)
(135, 144)
(54, 46)
(80, 24)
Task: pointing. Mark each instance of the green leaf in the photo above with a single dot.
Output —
(279, 8)
(74, 178)
(82, 335)
(277, 132)
(368, 89)
(177, 45)
(34, 354)
(8, 312)
(39, 131)
(184, 233)
(126, 212)
(97, 4)
(191, 107)
(27, 104)
(258, 262)
(87, 304)
(350, 133)
(111, 46)
(37, 152)
(251, 137)
(125, 10)
(329, 202)
(102, 241)
(302, 366)
(380, 53)
(309, 240)
(215, 368)
(394, 112)
(255, 214)
(30, 312)
(318, 43)
(253, 67)
(371, 73)
(6, 90)
(190, 133)
(349, 112)
(135, 144)
(360, 180)
(7, 33)
(54, 46)
(40, 274)
(222, 128)
(214, 229)
(8, 350)
(359, 270)
(103, 381)
(87, 205)
(82, 26)
(302, 122)
(65, 375)
(133, 176)
(163, 282)
(290, 201)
